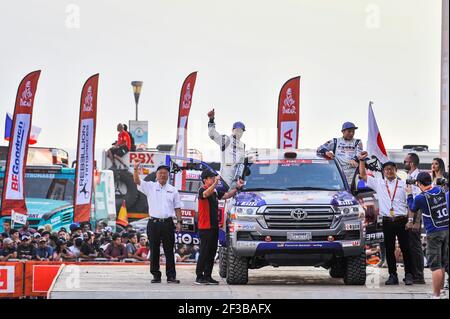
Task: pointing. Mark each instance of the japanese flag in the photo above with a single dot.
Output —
(375, 145)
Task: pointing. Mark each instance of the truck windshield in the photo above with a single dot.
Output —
(293, 175)
(47, 186)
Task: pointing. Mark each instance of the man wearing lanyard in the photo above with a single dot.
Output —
(393, 208)
(411, 162)
(163, 202)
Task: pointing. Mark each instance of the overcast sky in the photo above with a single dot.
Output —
(347, 52)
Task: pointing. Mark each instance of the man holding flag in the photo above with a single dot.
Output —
(346, 150)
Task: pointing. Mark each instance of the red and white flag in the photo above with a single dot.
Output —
(289, 114)
(187, 90)
(375, 145)
(84, 178)
(13, 196)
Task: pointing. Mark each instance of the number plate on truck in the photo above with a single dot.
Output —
(299, 236)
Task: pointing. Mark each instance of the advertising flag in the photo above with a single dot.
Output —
(289, 114)
(84, 178)
(13, 196)
(187, 90)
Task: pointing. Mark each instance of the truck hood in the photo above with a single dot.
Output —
(38, 207)
(257, 199)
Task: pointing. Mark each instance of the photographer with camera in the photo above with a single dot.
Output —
(440, 176)
(415, 227)
(391, 193)
(433, 202)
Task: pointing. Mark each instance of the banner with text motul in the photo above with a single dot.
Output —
(187, 91)
(13, 196)
(289, 114)
(84, 178)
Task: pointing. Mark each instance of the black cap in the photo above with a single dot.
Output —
(389, 163)
(167, 168)
(208, 173)
(424, 178)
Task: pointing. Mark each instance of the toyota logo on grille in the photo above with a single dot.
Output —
(299, 214)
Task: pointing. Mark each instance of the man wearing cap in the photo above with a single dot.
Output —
(208, 224)
(43, 251)
(25, 249)
(391, 193)
(231, 147)
(345, 149)
(163, 205)
(433, 203)
(8, 251)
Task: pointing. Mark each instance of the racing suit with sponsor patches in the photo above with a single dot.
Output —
(232, 149)
(344, 151)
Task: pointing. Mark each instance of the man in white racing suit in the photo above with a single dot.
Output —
(231, 147)
(345, 149)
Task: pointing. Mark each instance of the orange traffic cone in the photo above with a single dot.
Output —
(122, 217)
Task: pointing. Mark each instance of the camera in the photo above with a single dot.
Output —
(411, 181)
(442, 181)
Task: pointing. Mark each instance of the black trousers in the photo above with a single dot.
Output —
(416, 253)
(157, 232)
(208, 249)
(393, 230)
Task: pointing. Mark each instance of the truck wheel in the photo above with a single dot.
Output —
(355, 272)
(223, 262)
(126, 186)
(337, 270)
(237, 269)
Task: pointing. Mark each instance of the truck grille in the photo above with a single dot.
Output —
(317, 217)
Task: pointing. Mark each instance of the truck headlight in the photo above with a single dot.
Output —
(244, 211)
(348, 210)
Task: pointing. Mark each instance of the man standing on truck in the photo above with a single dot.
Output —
(391, 193)
(345, 149)
(120, 147)
(231, 147)
(208, 224)
(163, 205)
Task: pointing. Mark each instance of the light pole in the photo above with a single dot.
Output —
(137, 86)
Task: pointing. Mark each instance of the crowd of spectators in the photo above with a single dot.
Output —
(81, 243)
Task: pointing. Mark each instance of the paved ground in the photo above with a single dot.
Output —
(90, 282)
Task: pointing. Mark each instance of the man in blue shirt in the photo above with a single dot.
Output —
(433, 203)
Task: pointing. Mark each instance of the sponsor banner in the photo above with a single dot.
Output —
(18, 218)
(289, 114)
(14, 183)
(187, 91)
(139, 130)
(84, 179)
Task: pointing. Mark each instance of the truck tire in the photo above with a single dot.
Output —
(127, 189)
(337, 270)
(223, 262)
(237, 269)
(355, 272)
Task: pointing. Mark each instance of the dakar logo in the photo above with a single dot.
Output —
(87, 106)
(289, 103)
(25, 99)
(187, 99)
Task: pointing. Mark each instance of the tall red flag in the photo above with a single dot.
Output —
(289, 114)
(13, 197)
(84, 178)
(187, 90)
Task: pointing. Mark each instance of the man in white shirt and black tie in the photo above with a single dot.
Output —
(163, 205)
(393, 207)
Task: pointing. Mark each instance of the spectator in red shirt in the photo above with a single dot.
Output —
(143, 250)
(121, 147)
